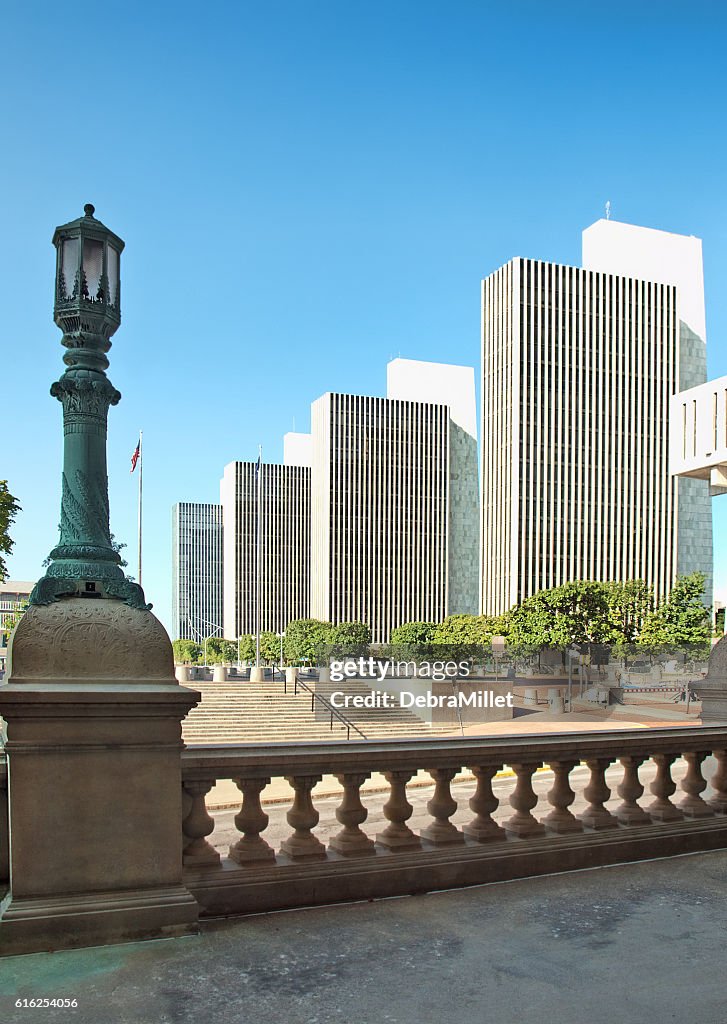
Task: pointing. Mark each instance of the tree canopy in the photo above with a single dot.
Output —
(305, 640)
(682, 622)
(186, 652)
(620, 615)
(350, 639)
(9, 508)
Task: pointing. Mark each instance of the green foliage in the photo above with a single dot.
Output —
(269, 648)
(682, 622)
(219, 651)
(9, 508)
(246, 645)
(10, 621)
(350, 639)
(459, 630)
(305, 641)
(420, 633)
(186, 652)
(582, 612)
(620, 615)
(412, 640)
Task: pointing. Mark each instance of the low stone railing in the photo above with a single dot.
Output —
(358, 865)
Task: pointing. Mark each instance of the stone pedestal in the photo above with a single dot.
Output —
(712, 690)
(183, 673)
(219, 674)
(94, 739)
(556, 704)
(290, 673)
(257, 674)
(530, 697)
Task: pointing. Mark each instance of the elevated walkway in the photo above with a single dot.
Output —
(635, 944)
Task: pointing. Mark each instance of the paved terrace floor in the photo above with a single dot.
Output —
(633, 944)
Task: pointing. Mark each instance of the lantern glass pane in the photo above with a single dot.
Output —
(92, 265)
(69, 265)
(112, 272)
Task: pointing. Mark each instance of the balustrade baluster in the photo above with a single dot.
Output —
(251, 820)
(522, 824)
(442, 806)
(630, 790)
(483, 803)
(397, 810)
(351, 841)
(693, 784)
(663, 786)
(597, 793)
(302, 817)
(197, 825)
(718, 783)
(561, 796)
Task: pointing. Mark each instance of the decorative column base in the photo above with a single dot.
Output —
(94, 783)
(31, 925)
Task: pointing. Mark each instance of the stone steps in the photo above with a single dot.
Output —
(243, 712)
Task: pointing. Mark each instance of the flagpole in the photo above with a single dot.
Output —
(141, 470)
(258, 559)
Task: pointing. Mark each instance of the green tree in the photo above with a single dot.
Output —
(10, 621)
(305, 641)
(219, 651)
(629, 604)
(9, 508)
(412, 640)
(573, 613)
(682, 622)
(462, 637)
(270, 648)
(246, 647)
(350, 639)
(186, 652)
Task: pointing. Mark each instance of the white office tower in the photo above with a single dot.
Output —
(284, 497)
(196, 570)
(579, 365)
(389, 537)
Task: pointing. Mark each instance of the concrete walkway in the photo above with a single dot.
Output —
(635, 944)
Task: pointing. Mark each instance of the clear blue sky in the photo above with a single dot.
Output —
(307, 189)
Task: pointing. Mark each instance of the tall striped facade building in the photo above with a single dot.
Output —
(578, 369)
(197, 570)
(380, 507)
(394, 500)
(284, 550)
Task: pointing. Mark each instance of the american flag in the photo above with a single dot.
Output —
(135, 457)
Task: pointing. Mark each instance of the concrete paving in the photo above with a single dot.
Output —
(634, 944)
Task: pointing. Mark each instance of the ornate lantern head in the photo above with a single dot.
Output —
(88, 283)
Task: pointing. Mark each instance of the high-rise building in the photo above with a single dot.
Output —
(394, 500)
(284, 516)
(578, 368)
(196, 570)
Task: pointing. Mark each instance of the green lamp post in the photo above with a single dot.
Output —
(87, 309)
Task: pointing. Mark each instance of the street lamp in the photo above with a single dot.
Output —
(87, 308)
(218, 629)
(498, 649)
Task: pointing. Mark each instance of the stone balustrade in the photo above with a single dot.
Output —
(535, 838)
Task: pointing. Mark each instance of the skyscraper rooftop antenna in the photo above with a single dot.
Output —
(608, 209)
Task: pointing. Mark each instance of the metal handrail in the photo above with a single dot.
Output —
(334, 712)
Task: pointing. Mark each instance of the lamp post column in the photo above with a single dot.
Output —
(91, 702)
